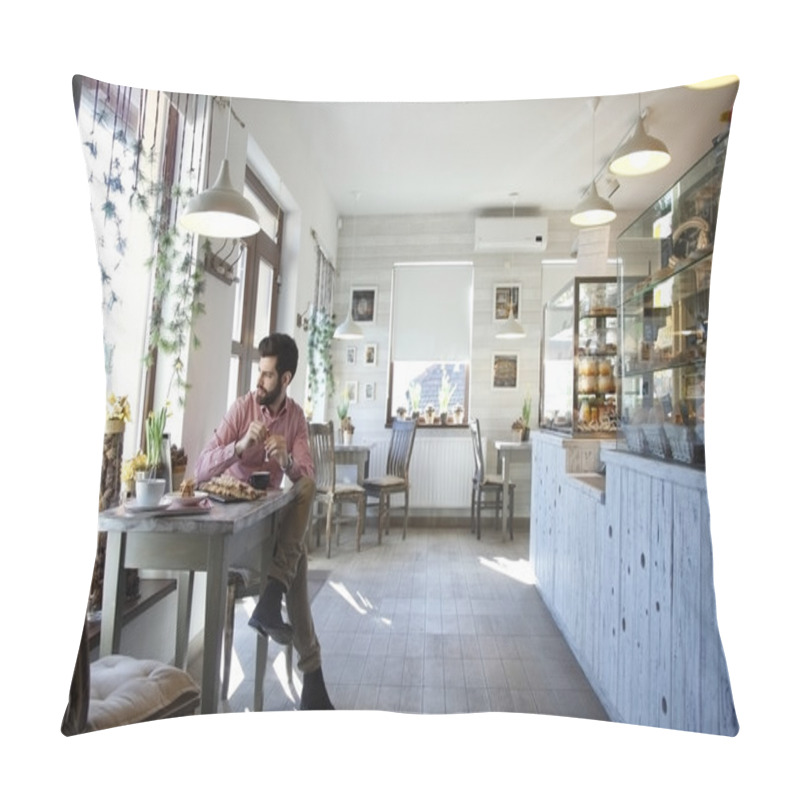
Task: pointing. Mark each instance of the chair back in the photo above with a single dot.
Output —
(400, 446)
(477, 449)
(320, 439)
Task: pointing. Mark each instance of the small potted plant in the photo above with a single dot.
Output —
(342, 411)
(446, 390)
(526, 416)
(518, 427)
(430, 412)
(151, 484)
(347, 431)
(414, 393)
(401, 412)
(458, 414)
(118, 414)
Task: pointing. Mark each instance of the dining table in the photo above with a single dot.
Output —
(508, 451)
(357, 454)
(209, 537)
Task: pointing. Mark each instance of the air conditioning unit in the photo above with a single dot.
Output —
(510, 234)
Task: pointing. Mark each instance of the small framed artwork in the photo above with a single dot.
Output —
(506, 301)
(369, 391)
(350, 356)
(505, 369)
(363, 302)
(351, 390)
(370, 355)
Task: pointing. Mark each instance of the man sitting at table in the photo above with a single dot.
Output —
(265, 430)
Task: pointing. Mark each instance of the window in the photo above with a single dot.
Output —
(257, 289)
(431, 336)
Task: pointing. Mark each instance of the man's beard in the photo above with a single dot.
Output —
(268, 398)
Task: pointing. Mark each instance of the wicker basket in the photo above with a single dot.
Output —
(657, 443)
(634, 436)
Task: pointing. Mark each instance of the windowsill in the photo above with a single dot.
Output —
(421, 426)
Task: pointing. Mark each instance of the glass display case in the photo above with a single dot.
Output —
(579, 363)
(664, 265)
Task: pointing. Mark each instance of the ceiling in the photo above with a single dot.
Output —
(410, 158)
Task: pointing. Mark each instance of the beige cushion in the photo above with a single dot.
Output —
(384, 482)
(126, 690)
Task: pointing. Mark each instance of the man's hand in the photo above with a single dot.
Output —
(275, 447)
(256, 435)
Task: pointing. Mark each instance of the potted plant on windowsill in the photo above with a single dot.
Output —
(152, 482)
(446, 390)
(414, 397)
(430, 411)
(458, 414)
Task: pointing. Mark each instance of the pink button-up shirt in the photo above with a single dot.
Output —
(219, 456)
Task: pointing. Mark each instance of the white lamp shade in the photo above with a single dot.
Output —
(221, 212)
(640, 155)
(348, 330)
(511, 329)
(593, 210)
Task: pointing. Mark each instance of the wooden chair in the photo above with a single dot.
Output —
(330, 494)
(487, 489)
(119, 690)
(396, 478)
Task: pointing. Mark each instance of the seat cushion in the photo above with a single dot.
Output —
(384, 482)
(495, 480)
(126, 690)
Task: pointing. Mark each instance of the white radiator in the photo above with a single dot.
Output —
(440, 472)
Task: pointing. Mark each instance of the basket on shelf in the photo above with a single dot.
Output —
(657, 443)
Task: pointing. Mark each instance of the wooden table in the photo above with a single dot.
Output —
(354, 454)
(241, 533)
(506, 451)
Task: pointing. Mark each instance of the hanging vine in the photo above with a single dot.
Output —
(127, 190)
(321, 325)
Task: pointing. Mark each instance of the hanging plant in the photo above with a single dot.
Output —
(321, 326)
(122, 189)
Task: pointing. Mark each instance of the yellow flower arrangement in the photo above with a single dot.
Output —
(132, 466)
(119, 408)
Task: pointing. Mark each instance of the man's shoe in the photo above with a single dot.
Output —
(314, 696)
(267, 618)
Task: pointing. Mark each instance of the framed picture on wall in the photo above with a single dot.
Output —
(350, 356)
(505, 370)
(506, 300)
(363, 303)
(370, 354)
(369, 391)
(351, 390)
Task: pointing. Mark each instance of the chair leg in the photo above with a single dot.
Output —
(328, 526)
(478, 510)
(511, 513)
(360, 521)
(230, 609)
(405, 518)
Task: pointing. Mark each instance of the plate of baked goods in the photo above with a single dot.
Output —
(194, 499)
(227, 489)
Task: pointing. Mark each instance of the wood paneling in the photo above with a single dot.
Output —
(628, 577)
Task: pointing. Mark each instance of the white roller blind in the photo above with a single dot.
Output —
(431, 313)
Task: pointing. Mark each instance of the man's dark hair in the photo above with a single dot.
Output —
(284, 347)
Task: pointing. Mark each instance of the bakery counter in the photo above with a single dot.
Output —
(624, 564)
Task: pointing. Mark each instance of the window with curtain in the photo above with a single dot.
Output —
(431, 337)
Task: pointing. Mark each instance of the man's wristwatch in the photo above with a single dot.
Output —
(289, 463)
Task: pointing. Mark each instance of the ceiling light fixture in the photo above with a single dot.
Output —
(641, 154)
(511, 328)
(350, 329)
(221, 212)
(593, 209)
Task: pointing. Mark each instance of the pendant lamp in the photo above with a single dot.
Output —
(221, 212)
(593, 209)
(641, 154)
(350, 329)
(511, 327)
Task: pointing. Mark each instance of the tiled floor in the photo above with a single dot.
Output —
(438, 623)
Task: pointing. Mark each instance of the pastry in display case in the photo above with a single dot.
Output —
(664, 265)
(579, 364)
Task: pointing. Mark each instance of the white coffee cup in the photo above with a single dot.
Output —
(150, 491)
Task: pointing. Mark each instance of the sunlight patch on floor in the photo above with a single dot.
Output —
(520, 570)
